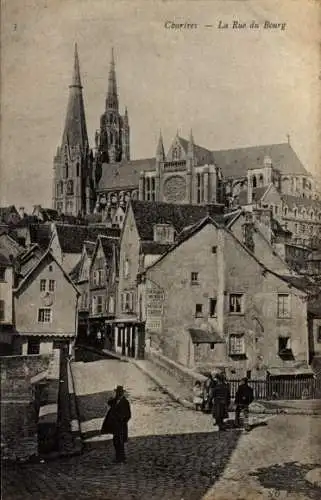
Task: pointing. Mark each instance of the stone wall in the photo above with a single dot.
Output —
(18, 408)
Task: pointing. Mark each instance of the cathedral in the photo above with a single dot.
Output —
(101, 180)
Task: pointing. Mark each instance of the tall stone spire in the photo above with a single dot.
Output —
(112, 97)
(72, 163)
(75, 131)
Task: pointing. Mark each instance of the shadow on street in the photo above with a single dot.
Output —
(159, 467)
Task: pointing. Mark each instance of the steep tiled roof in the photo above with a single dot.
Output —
(90, 247)
(4, 260)
(108, 246)
(72, 237)
(154, 248)
(74, 274)
(8, 214)
(257, 195)
(235, 162)
(148, 213)
(202, 155)
(303, 283)
(49, 214)
(40, 234)
(29, 259)
(124, 175)
(294, 201)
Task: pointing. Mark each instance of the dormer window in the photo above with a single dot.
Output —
(164, 233)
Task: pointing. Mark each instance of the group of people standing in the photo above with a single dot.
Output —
(214, 397)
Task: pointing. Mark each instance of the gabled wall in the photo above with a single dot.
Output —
(63, 302)
(129, 249)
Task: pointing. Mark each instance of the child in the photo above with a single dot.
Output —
(198, 395)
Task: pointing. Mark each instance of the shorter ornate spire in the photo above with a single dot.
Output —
(191, 144)
(112, 98)
(160, 153)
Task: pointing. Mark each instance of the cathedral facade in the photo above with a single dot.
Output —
(101, 180)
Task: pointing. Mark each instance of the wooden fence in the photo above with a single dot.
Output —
(285, 388)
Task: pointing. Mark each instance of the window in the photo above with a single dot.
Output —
(99, 308)
(95, 278)
(126, 268)
(214, 249)
(70, 187)
(43, 285)
(199, 188)
(236, 303)
(2, 308)
(284, 344)
(100, 274)
(198, 310)
(52, 284)
(212, 307)
(285, 211)
(319, 333)
(237, 345)
(44, 315)
(33, 346)
(50, 269)
(128, 302)
(194, 278)
(93, 304)
(176, 153)
(150, 188)
(2, 273)
(84, 300)
(283, 305)
(77, 169)
(111, 304)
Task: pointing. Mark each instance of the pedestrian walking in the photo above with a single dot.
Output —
(221, 401)
(209, 385)
(198, 395)
(243, 398)
(116, 422)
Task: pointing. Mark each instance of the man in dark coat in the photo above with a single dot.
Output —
(221, 399)
(243, 398)
(116, 422)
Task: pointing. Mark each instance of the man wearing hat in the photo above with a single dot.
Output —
(243, 398)
(116, 422)
(221, 397)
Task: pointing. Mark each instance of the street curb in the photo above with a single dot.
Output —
(187, 404)
(166, 389)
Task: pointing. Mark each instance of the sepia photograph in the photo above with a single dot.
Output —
(160, 250)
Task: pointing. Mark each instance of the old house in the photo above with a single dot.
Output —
(6, 304)
(103, 279)
(67, 240)
(223, 307)
(80, 276)
(45, 305)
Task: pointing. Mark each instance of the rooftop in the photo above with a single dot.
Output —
(148, 213)
(71, 237)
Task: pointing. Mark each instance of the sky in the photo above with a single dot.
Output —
(233, 87)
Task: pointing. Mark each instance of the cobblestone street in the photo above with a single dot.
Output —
(173, 452)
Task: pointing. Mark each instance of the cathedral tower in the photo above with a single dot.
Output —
(112, 142)
(72, 163)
